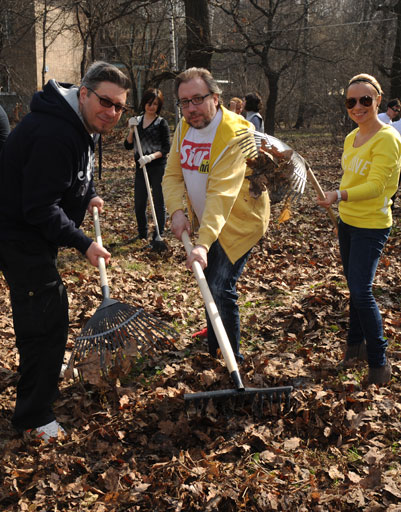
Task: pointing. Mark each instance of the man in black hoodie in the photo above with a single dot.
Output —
(46, 186)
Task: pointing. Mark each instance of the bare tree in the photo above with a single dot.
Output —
(93, 16)
(304, 67)
(51, 17)
(142, 43)
(270, 31)
(17, 19)
(198, 45)
(395, 74)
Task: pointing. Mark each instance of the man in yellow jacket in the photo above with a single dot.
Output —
(207, 165)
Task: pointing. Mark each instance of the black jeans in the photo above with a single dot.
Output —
(40, 315)
(155, 175)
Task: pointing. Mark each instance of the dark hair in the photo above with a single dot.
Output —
(100, 71)
(253, 102)
(149, 96)
(202, 73)
(394, 103)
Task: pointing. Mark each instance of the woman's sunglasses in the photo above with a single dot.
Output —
(366, 101)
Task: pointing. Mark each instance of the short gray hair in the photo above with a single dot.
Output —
(100, 71)
(202, 73)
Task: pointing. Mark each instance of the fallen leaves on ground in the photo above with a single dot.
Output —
(134, 444)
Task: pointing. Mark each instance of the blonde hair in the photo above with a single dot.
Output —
(204, 74)
(369, 79)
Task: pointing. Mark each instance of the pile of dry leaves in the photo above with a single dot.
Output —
(132, 443)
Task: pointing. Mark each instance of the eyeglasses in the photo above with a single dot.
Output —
(394, 109)
(108, 104)
(196, 100)
(366, 101)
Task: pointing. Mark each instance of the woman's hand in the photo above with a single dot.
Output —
(330, 198)
(146, 159)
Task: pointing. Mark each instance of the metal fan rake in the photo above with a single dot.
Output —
(115, 326)
(251, 141)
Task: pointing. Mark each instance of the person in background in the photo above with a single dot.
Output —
(393, 110)
(371, 166)
(253, 104)
(46, 186)
(236, 105)
(397, 126)
(4, 127)
(154, 135)
(208, 166)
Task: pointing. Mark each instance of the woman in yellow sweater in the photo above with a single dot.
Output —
(371, 165)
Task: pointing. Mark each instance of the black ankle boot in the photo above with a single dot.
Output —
(353, 354)
(381, 375)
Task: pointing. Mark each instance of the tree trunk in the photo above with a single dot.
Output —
(304, 71)
(269, 120)
(395, 75)
(44, 47)
(198, 49)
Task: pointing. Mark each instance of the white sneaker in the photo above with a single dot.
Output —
(64, 368)
(47, 433)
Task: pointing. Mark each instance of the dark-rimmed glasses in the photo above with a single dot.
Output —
(366, 101)
(196, 100)
(108, 104)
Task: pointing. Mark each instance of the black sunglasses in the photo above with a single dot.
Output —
(366, 101)
(395, 109)
(108, 104)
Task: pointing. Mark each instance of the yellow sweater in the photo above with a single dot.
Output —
(231, 214)
(371, 174)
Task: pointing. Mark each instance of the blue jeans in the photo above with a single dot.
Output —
(222, 276)
(360, 250)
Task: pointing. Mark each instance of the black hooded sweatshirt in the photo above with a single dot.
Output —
(46, 172)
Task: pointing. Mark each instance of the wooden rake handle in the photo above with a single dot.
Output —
(320, 193)
(102, 264)
(145, 175)
(218, 327)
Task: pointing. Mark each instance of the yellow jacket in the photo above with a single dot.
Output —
(231, 214)
(371, 174)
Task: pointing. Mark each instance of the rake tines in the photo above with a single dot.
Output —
(250, 142)
(259, 402)
(116, 327)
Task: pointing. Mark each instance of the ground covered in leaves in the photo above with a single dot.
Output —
(134, 445)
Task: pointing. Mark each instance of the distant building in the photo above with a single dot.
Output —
(32, 54)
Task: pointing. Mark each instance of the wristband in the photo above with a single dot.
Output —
(339, 198)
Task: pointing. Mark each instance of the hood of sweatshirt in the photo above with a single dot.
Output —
(46, 171)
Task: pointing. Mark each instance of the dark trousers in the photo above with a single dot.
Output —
(155, 175)
(360, 250)
(40, 315)
(222, 276)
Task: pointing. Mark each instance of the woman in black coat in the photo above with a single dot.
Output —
(154, 135)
